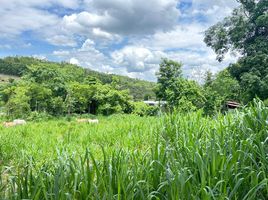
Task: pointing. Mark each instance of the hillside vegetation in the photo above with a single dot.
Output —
(139, 89)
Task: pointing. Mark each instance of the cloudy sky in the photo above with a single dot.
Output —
(127, 37)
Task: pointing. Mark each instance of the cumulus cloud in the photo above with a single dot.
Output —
(188, 36)
(127, 37)
(18, 16)
(134, 17)
(86, 55)
(137, 59)
(74, 61)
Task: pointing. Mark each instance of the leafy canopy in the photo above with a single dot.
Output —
(246, 32)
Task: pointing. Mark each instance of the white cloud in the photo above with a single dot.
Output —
(18, 16)
(87, 56)
(15, 22)
(210, 11)
(128, 37)
(62, 40)
(137, 59)
(61, 53)
(99, 33)
(126, 16)
(74, 61)
(183, 36)
(88, 45)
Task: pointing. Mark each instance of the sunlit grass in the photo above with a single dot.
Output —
(188, 157)
(41, 139)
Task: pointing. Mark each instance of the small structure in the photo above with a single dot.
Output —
(232, 105)
(155, 103)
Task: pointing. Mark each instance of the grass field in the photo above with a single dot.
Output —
(178, 156)
(41, 139)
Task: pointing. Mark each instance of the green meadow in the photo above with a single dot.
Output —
(44, 139)
(174, 156)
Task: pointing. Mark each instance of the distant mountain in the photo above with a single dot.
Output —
(17, 67)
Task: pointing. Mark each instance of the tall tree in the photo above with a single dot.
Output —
(169, 72)
(245, 31)
(179, 92)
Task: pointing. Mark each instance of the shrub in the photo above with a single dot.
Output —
(142, 109)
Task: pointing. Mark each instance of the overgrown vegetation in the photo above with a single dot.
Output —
(194, 150)
(189, 157)
(60, 89)
(139, 89)
(245, 32)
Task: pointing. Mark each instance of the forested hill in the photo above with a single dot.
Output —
(17, 66)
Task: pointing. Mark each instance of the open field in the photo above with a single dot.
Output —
(188, 157)
(41, 139)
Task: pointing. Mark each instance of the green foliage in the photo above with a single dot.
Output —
(58, 72)
(39, 116)
(182, 94)
(266, 102)
(142, 109)
(57, 106)
(40, 97)
(14, 65)
(246, 31)
(79, 97)
(18, 104)
(252, 73)
(111, 101)
(219, 90)
(169, 72)
(63, 88)
(185, 95)
(190, 157)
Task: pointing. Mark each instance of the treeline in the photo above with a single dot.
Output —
(139, 89)
(185, 95)
(65, 88)
(245, 32)
(59, 89)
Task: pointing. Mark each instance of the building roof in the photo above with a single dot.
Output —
(233, 104)
(155, 102)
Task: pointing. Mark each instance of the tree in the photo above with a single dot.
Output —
(40, 97)
(245, 31)
(110, 101)
(220, 89)
(180, 93)
(80, 95)
(169, 73)
(185, 95)
(18, 104)
(208, 79)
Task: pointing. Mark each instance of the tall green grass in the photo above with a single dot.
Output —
(192, 158)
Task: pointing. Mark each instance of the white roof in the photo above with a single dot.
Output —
(155, 102)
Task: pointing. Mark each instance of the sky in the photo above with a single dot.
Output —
(127, 37)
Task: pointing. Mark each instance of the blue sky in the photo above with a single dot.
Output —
(127, 37)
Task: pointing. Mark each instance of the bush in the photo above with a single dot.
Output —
(142, 109)
(39, 116)
(265, 102)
